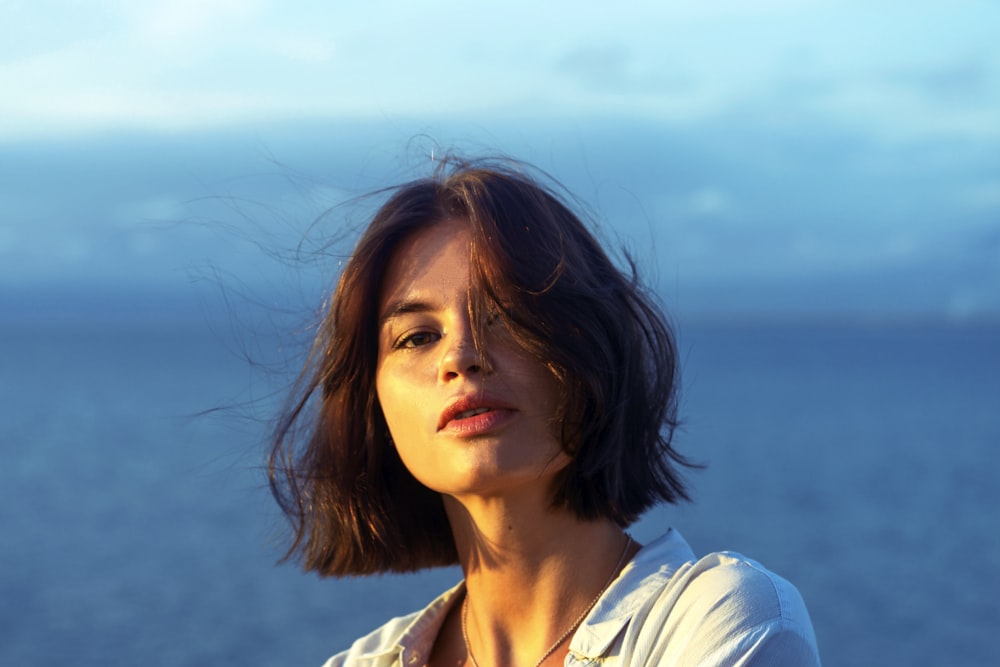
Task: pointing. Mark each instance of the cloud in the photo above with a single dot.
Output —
(966, 81)
(148, 211)
(597, 66)
(983, 196)
(710, 201)
(182, 21)
(210, 63)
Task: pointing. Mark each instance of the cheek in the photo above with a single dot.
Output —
(403, 420)
(386, 400)
(383, 393)
(401, 412)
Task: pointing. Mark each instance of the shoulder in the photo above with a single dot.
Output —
(741, 587)
(672, 608)
(403, 640)
(730, 582)
(725, 608)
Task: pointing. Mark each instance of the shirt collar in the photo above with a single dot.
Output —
(415, 640)
(645, 573)
(648, 572)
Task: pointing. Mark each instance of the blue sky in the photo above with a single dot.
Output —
(773, 155)
(901, 70)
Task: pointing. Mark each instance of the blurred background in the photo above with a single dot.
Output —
(812, 187)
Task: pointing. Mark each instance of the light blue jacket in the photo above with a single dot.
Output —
(665, 608)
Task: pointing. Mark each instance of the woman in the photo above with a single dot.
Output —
(488, 389)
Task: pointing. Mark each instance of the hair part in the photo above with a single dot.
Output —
(354, 507)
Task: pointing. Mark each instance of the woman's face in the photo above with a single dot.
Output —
(459, 429)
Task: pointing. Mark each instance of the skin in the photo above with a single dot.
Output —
(427, 362)
(530, 570)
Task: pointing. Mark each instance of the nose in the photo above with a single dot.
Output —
(460, 357)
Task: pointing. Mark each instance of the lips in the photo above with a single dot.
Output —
(470, 413)
(471, 410)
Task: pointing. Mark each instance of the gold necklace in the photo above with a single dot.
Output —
(569, 630)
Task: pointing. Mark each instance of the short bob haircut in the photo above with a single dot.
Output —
(354, 507)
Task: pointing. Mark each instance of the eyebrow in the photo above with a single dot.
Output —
(404, 307)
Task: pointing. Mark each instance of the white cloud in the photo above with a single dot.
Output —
(302, 48)
(183, 63)
(710, 201)
(173, 21)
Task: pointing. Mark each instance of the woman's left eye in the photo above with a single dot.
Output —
(416, 339)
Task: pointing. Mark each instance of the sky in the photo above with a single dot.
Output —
(769, 156)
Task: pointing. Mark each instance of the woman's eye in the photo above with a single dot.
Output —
(416, 339)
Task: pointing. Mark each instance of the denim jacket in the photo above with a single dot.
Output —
(665, 608)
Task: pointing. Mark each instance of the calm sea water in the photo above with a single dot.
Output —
(859, 462)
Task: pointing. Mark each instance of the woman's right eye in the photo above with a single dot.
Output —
(416, 339)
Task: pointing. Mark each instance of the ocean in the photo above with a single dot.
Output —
(858, 460)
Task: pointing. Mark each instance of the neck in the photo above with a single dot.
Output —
(529, 575)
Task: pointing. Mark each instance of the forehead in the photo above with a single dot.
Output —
(434, 260)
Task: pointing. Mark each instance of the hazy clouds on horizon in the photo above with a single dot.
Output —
(791, 156)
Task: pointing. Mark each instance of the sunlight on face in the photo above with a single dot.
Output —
(459, 428)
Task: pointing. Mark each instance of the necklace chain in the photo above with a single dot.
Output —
(569, 630)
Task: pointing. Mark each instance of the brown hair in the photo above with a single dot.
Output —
(354, 507)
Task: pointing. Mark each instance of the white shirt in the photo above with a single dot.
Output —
(665, 608)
